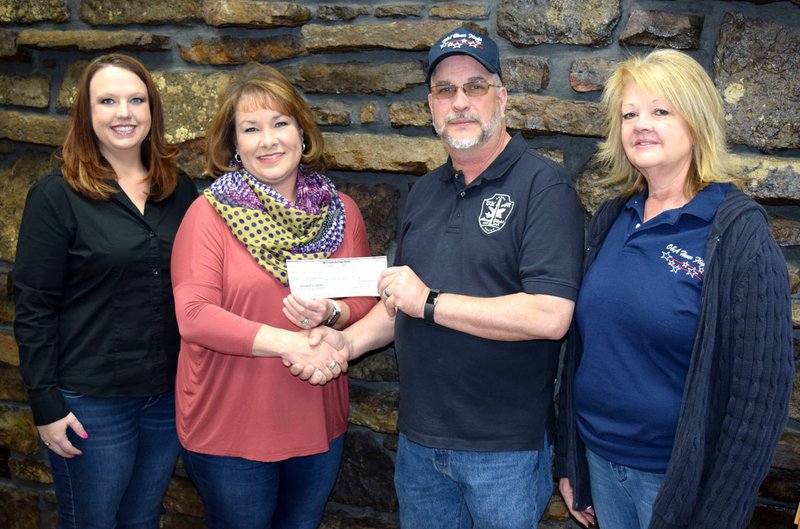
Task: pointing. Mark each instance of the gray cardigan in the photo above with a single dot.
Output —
(735, 400)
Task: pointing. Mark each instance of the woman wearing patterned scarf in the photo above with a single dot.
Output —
(262, 447)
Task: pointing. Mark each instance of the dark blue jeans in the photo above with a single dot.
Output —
(126, 465)
(242, 494)
(456, 489)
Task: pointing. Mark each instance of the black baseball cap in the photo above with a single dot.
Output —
(464, 41)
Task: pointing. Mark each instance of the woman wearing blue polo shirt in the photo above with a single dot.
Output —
(679, 361)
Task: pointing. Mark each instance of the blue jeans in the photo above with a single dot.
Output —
(241, 494)
(126, 465)
(623, 496)
(457, 489)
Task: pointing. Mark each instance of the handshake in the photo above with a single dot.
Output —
(320, 354)
(324, 357)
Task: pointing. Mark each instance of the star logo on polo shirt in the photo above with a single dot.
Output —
(495, 212)
(676, 265)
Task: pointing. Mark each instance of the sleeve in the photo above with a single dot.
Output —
(198, 257)
(569, 459)
(565, 438)
(729, 436)
(552, 245)
(759, 342)
(39, 275)
(358, 246)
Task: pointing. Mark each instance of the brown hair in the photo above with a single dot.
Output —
(263, 87)
(84, 167)
(686, 85)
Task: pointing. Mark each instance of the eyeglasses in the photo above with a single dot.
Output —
(471, 89)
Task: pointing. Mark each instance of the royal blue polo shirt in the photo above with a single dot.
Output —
(637, 314)
(518, 227)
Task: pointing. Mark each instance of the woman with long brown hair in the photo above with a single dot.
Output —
(95, 318)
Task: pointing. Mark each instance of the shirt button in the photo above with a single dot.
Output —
(155, 271)
(462, 194)
(151, 235)
(637, 225)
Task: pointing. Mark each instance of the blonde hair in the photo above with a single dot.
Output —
(260, 86)
(680, 79)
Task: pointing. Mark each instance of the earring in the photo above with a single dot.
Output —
(237, 158)
(303, 149)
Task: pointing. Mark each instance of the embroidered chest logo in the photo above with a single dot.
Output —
(680, 262)
(495, 212)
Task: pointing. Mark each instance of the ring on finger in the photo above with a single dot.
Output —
(386, 292)
(304, 322)
(332, 365)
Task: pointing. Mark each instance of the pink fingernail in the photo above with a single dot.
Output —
(85, 435)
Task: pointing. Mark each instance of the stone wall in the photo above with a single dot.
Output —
(360, 64)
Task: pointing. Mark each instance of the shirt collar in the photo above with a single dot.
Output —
(704, 205)
(500, 166)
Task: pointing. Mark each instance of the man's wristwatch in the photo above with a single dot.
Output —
(430, 305)
(334, 316)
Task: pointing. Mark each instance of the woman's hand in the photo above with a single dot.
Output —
(585, 517)
(322, 339)
(318, 363)
(306, 313)
(54, 435)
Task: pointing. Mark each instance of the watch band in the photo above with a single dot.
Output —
(334, 317)
(430, 305)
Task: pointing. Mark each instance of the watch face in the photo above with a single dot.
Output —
(430, 305)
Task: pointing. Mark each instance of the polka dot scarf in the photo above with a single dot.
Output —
(272, 228)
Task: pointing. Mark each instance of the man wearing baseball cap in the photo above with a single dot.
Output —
(482, 292)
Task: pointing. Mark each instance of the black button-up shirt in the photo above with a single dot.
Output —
(93, 295)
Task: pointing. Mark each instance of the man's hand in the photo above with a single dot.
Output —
(401, 289)
(326, 343)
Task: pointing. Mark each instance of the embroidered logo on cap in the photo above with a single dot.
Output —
(458, 40)
(495, 212)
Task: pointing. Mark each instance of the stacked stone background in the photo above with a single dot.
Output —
(361, 65)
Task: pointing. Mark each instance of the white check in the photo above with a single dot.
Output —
(335, 278)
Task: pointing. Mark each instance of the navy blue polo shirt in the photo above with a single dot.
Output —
(518, 227)
(637, 313)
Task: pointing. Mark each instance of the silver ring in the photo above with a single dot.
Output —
(304, 322)
(386, 292)
(332, 365)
